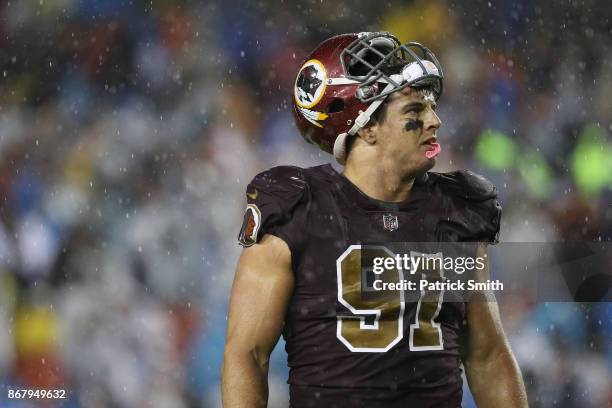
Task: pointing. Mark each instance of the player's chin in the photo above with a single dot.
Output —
(426, 164)
(420, 165)
(430, 164)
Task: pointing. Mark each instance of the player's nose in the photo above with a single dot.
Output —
(432, 120)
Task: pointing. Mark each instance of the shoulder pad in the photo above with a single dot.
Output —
(272, 197)
(280, 181)
(474, 207)
(467, 185)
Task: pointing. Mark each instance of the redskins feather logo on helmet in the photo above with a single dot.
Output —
(347, 77)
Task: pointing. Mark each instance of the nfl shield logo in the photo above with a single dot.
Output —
(390, 222)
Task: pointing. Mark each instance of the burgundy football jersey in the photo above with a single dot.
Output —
(345, 350)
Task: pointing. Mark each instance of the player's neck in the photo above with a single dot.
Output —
(380, 181)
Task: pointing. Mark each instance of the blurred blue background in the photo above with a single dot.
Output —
(129, 130)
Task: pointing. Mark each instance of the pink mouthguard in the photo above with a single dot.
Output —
(435, 150)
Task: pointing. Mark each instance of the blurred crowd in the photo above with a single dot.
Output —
(129, 130)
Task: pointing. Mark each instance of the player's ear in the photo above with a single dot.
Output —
(369, 132)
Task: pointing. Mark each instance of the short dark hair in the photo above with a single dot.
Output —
(380, 114)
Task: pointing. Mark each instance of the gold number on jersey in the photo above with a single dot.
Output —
(378, 316)
(425, 332)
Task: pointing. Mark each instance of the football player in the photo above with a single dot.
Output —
(370, 101)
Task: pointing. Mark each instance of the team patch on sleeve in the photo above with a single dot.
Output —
(250, 226)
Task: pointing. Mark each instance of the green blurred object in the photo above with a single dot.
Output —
(536, 174)
(495, 150)
(592, 161)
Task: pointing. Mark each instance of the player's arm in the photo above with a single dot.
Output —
(492, 372)
(261, 290)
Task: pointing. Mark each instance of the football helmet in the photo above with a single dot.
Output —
(347, 77)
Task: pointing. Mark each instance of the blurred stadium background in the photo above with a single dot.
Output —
(129, 130)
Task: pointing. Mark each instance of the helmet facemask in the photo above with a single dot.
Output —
(381, 58)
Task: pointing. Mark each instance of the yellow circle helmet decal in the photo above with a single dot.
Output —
(310, 84)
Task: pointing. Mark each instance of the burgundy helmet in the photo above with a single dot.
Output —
(347, 77)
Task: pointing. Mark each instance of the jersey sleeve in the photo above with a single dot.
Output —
(476, 206)
(272, 198)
